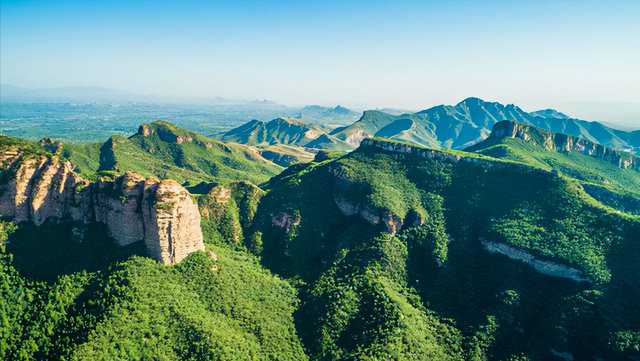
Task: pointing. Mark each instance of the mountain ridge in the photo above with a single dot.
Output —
(467, 123)
(392, 250)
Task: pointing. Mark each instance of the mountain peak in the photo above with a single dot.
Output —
(472, 100)
(287, 120)
(549, 113)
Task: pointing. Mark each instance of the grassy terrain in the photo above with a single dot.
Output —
(85, 156)
(161, 155)
(575, 165)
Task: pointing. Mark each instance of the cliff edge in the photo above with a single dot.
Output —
(35, 187)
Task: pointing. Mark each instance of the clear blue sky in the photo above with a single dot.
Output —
(363, 54)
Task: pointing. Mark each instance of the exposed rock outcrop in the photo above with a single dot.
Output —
(397, 147)
(563, 143)
(285, 220)
(171, 222)
(145, 131)
(117, 204)
(163, 214)
(545, 267)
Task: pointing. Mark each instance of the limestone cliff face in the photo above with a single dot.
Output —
(370, 213)
(545, 267)
(172, 221)
(34, 188)
(563, 143)
(117, 204)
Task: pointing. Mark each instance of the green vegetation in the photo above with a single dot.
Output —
(138, 308)
(172, 152)
(85, 156)
(226, 208)
(376, 254)
(574, 164)
(441, 208)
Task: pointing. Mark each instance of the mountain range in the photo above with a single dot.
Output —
(467, 232)
(460, 126)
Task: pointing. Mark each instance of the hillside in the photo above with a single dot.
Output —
(391, 251)
(608, 174)
(284, 140)
(474, 255)
(216, 305)
(596, 132)
(74, 283)
(163, 150)
(286, 131)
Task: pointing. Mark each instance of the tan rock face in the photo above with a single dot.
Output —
(53, 191)
(285, 220)
(172, 222)
(220, 194)
(545, 267)
(22, 188)
(117, 205)
(160, 213)
(145, 130)
(355, 138)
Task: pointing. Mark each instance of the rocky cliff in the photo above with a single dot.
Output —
(562, 143)
(35, 187)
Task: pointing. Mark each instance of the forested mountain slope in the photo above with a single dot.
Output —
(406, 242)
(392, 251)
(609, 175)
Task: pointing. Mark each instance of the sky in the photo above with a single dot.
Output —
(580, 57)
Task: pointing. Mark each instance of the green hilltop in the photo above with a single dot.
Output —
(164, 150)
(609, 175)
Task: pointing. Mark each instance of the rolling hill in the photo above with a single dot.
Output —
(164, 150)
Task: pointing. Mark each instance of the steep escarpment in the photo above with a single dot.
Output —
(36, 187)
(171, 222)
(558, 142)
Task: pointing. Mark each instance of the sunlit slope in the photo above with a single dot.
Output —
(166, 151)
(480, 240)
(599, 168)
(211, 306)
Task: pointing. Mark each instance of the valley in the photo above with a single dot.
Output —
(468, 232)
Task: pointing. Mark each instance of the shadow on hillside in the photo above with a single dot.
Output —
(62, 247)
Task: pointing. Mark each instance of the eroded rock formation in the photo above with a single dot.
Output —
(563, 143)
(162, 214)
(171, 222)
(545, 267)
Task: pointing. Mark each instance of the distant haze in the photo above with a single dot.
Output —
(579, 57)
